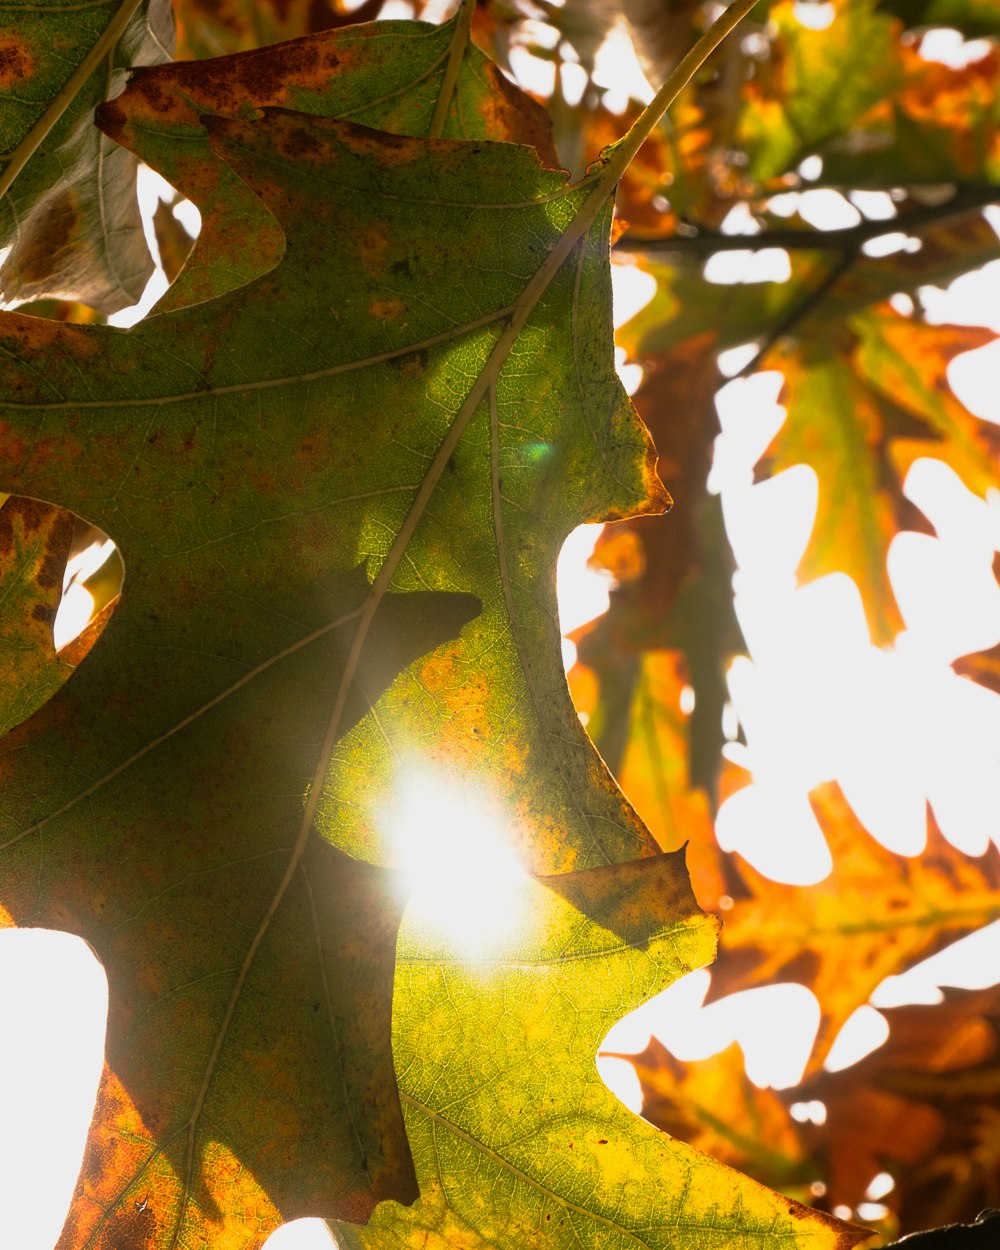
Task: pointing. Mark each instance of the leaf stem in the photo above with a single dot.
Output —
(624, 151)
(61, 101)
(456, 51)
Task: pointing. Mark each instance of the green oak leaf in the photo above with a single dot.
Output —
(68, 209)
(308, 493)
(517, 1141)
(388, 75)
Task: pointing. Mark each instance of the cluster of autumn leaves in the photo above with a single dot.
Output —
(866, 392)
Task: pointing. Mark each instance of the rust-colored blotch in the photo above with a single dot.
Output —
(386, 309)
(17, 65)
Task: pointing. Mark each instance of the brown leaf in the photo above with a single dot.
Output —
(924, 1106)
(875, 915)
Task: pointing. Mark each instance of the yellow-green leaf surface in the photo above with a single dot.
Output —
(68, 210)
(714, 1105)
(388, 75)
(517, 1141)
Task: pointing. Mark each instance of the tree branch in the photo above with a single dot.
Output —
(847, 239)
(798, 312)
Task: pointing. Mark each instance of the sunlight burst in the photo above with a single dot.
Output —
(463, 880)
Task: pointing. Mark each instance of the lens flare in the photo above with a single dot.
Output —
(453, 844)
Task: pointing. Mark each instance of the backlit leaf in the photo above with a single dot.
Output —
(67, 194)
(816, 83)
(387, 76)
(680, 596)
(923, 1107)
(587, 1172)
(942, 124)
(180, 982)
(713, 1105)
(906, 362)
(834, 426)
(874, 916)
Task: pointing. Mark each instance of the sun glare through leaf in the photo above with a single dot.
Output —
(462, 877)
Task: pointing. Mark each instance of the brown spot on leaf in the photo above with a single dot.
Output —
(17, 65)
(298, 143)
(12, 446)
(413, 365)
(373, 248)
(386, 309)
(389, 150)
(134, 1228)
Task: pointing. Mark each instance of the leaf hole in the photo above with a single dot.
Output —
(92, 584)
(56, 991)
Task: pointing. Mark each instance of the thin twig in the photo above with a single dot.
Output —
(624, 151)
(843, 239)
(456, 52)
(848, 242)
(798, 312)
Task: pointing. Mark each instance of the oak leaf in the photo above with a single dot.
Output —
(713, 1105)
(517, 1141)
(68, 207)
(873, 916)
(387, 75)
(815, 84)
(186, 743)
(922, 1107)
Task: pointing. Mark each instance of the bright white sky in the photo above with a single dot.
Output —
(863, 715)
